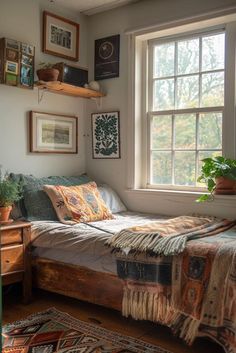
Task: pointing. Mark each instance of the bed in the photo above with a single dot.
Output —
(73, 260)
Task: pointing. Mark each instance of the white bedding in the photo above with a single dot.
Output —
(82, 244)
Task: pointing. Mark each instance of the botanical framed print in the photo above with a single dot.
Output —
(106, 135)
(53, 133)
(60, 36)
(107, 56)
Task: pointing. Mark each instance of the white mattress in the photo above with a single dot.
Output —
(83, 244)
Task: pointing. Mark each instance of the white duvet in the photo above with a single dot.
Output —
(83, 244)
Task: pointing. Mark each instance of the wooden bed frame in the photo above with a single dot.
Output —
(78, 282)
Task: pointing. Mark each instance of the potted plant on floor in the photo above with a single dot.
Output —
(219, 175)
(47, 72)
(10, 192)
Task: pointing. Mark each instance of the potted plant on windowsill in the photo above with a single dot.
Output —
(10, 192)
(47, 72)
(219, 175)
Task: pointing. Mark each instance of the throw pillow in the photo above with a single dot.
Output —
(74, 204)
(36, 205)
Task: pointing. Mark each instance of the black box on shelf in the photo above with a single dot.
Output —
(71, 74)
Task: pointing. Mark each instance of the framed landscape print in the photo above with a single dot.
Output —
(107, 57)
(106, 135)
(53, 133)
(60, 36)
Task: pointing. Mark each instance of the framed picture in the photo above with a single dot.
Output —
(27, 76)
(11, 79)
(107, 57)
(60, 36)
(11, 67)
(106, 135)
(12, 44)
(27, 49)
(12, 55)
(53, 133)
(27, 60)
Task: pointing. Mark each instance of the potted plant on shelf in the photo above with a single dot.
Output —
(10, 192)
(219, 175)
(47, 72)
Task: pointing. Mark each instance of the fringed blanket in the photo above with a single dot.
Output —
(194, 293)
(166, 237)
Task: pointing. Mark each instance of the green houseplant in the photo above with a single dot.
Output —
(10, 192)
(219, 175)
(47, 72)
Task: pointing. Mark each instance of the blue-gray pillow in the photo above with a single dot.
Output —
(38, 206)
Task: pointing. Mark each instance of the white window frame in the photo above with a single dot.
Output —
(138, 85)
(175, 111)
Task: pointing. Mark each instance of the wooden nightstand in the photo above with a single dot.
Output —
(15, 256)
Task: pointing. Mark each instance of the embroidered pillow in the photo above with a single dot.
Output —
(74, 204)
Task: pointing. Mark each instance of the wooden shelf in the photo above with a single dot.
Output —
(65, 88)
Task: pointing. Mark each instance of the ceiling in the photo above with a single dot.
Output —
(90, 7)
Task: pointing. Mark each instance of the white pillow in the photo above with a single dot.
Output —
(111, 199)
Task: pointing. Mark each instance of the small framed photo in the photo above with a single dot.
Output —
(107, 57)
(11, 67)
(27, 49)
(53, 133)
(12, 44)
(12, 55)
(106, 135)
(27, 60)
(27, 76)
(60, 36)
(11, 79)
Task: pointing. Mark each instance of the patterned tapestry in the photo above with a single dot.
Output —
(194, 293)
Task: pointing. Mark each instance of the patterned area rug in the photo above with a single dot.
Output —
(53, 331)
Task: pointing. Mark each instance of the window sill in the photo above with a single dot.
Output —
(181, 194)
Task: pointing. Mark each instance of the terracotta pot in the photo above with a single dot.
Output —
(5, 213)
(48, 74)
(225, 186)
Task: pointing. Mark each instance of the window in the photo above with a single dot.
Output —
(185, 106)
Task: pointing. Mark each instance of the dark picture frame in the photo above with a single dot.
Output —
(106, 135)
(53, 133)
(60, 36)
(107, 58)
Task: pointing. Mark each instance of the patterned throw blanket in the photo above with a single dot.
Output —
(195, 292)
(166, 237)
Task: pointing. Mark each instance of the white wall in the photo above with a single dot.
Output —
(22, 20)
(114, 172)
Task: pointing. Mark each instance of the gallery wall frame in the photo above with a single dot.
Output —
(107, 57)
(60, 36)
(105, 135)
(53, 133)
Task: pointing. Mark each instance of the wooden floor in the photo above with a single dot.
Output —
(13, 310)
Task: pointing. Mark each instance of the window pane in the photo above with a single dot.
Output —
(184, 168)
(164, 60)
(185, 131)
(161, 168)
(213, 52)
(201, 156)
(188, 56)
(210, 131)
(212, 89)
(163, 94)
(187, 92)
(161, 132)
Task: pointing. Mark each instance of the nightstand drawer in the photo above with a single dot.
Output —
(12, 259)
(11, 236)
